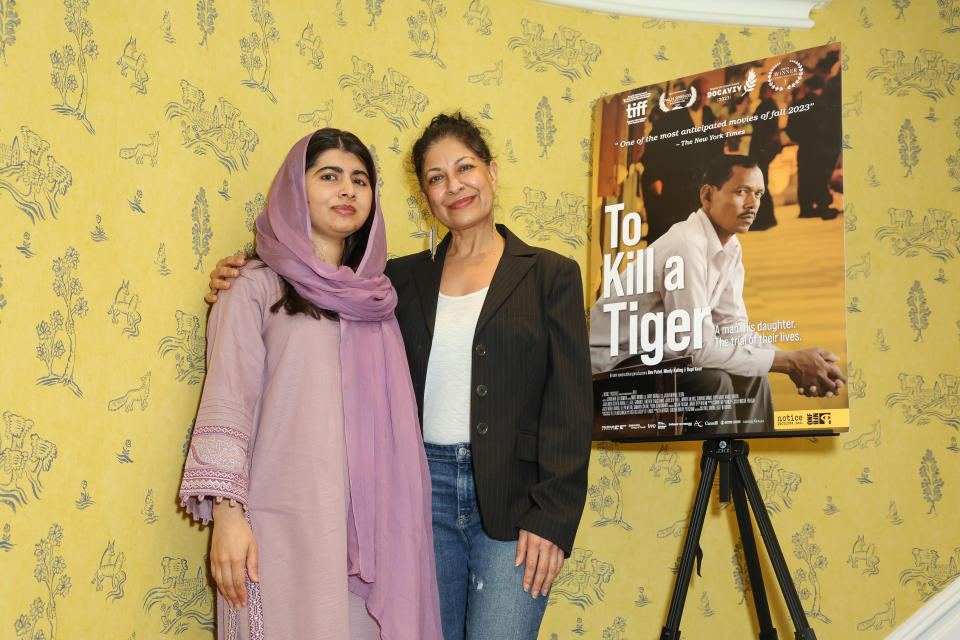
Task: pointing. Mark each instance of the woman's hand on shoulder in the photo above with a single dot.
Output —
(542, 562)
(233, 553)
(227, 269)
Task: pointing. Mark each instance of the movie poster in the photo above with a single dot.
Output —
(716, 259)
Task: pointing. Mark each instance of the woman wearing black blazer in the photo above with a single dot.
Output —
(504, 394)
(496, 340)
(530, 407)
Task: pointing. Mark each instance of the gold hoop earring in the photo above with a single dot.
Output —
(433, 238)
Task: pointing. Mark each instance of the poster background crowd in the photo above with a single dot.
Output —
(651, 154)
(136, 143)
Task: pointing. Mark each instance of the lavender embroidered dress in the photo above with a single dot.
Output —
(312, 426)
(272, 405)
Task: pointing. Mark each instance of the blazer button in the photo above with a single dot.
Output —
(481, 390)
(481, 349)
(482, 428)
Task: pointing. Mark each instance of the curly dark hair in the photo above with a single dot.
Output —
(454, 125)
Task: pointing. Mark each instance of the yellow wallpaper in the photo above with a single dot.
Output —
(137, 140)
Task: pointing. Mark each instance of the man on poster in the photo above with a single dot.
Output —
(732, 357)
(673, 170)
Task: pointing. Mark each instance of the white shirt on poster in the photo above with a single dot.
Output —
(714, 276)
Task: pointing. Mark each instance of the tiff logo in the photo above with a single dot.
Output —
(636, 110)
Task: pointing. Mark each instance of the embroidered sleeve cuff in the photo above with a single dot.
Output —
(216, 467)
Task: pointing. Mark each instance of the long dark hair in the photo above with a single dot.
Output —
(453, 125)
(355, 245)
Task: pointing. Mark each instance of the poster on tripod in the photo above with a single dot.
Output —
(716, 261)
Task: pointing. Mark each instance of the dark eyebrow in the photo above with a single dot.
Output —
(455, 162)
(340, 171)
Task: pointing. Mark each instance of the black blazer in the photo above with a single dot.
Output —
(531, 405)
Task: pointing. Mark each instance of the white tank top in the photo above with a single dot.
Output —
(446, 396)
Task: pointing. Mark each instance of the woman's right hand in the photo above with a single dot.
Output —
(232, 549)
(227, 268)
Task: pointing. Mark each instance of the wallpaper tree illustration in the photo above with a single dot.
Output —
(424, 31)
(953, 168)
(9, 21)
(375, 9)
(201, 227)
(206, 19)
(613, 632)
(909, 148)
(252, 209)
(931, 484)
(251, 44)
(607, 493)
(545, 126)
(50, 571)
(917, 310)
(63, 61)
(780, 41)
(721, 52)
(949, 13)
(67, 287)
(807, 580)
(900, 6)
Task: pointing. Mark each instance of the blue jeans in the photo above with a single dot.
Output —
(481, 592)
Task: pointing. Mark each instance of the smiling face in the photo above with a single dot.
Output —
(339, 195)
(732, 207)
(459, 185)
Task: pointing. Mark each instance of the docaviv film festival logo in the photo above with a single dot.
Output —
(727, 91)
(785, 75)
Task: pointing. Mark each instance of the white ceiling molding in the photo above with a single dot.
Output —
(794, 14)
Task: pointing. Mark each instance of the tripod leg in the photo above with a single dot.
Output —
(789, 590)
(708, 466)
(767, 631)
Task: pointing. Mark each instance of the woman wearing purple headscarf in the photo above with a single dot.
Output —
(306, 452)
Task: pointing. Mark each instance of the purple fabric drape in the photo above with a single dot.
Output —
(389, 538)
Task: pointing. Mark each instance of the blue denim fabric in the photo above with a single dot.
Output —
(481, 592)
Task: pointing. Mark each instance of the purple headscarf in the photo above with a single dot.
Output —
(390, 559)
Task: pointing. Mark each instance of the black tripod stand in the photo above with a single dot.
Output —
(723, 454)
